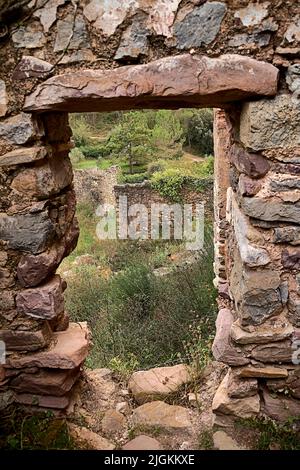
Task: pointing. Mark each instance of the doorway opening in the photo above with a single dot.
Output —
(149, 302)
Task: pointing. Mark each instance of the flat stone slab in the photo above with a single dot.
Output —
(172, 82)
(162, 415)
(261, 334)
(68, 351)
(224, 442)
(23, 155)
(265, 372)
(142, 442)
(89, 439)
(158, 382)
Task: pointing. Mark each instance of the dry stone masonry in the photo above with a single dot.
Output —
(237, 56)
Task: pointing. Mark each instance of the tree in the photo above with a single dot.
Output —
(131, 139)
(199, 131)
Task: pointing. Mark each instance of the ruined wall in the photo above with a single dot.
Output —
(258, 242)
(95, 186)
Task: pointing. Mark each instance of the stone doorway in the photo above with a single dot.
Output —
(256, 221)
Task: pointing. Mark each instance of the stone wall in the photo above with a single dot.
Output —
(95, 186)
(144, 194)
(64, 57)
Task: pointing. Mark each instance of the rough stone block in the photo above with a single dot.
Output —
(290, 258)
(68, 351)
(162, 415)
(44, 302)
(20, 129)
(23, 155)
(27, 232)
(197, 80)
(46, 382)
(266, 333)
(238, 407)
(251, 255)
(200, 26)
(268, 372)
(253, 165)
(31, 67)
(258, 295)
(158, 382)
(43, 401)
(46, 179)
(34, 269)
(288, 234)
(278, 352)
(57, 127)
(271, 209)
(272, 123)
(280, 408)
(21, 340)
(222, 349)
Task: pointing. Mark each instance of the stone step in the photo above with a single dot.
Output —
(162, 415)
(158, 383)
(67, 351)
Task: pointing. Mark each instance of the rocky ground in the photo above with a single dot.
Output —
(162, 408)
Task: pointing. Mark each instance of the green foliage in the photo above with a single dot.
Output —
(206, 441)
(124, 367)
(154, 167)
(169, 183)
(131, 179)
(199, 131)
(76, 156)
(207, 167)
(167, 130)
(271, 434)
(136, 315)
(130, 140)
(92, 150)
(82, 132)
(19, 431)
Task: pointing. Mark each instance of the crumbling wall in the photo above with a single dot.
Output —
(42, 78)
(95, 186)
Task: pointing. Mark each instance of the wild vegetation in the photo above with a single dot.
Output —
(139, 319)
(146, 144)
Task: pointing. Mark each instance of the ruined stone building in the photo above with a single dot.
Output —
(241, 58)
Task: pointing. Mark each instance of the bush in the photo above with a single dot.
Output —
(82, 132)
(207, 167)
(139, 320)
(169, 183)
(132, 179)
(154, 167)
(76, 155)
(199, 131)
(92, 151)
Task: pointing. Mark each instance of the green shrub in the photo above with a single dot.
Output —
(92, 151)
(76, 155)
(154, 167)
(169, 183)
(135, 178)
(82, 132)
(136, 316)
(207, 167)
